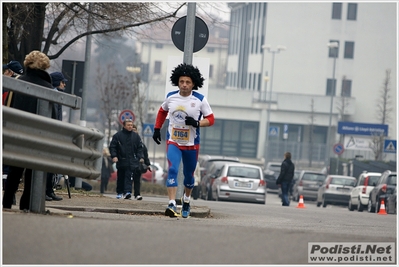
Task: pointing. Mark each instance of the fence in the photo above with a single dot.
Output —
(48, 145)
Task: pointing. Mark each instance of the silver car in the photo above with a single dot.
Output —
(307, 185)
(335, 189)
(240, 182)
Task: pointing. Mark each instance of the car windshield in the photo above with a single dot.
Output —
(246, 172)
(342, 181)
(314, 177)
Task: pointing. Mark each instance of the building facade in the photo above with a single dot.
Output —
(281, 77)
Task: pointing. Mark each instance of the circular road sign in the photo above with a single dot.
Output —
(201, 34)
(338, 149)
(126, 114)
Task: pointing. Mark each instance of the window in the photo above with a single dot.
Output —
(352, 11)
(230, 138)
(349, 49)
(331, 86)
(210, 49)
(157, 67)
(346, 88)
(333, 51)
(336, 10)
(159, 46)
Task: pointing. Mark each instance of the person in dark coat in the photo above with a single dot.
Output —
(126, 150)
(137, 172)
(36, 63)
(59, 83)
(285, 178)
(106, 170)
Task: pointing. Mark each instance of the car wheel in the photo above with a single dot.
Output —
(350, 206)
(318, 204)
(360, 206)
(324, 202)
(370, 207)
(209, 195)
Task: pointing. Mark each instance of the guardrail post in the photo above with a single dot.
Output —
(39, 178)
(38, 191)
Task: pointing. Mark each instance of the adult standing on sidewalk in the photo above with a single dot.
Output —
(36, 64)
(188, 111)
(285, 178)
(59, 83)
(137, 172)
(127, 152)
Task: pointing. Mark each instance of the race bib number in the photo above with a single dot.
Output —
(181, 134)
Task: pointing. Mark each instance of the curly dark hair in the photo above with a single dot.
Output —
(189, 71)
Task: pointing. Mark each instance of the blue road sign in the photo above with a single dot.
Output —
(362, 128)
(390, 146)
(126, 114)
(285, 134)
(338, 149)
(273, 131)
(148, 129)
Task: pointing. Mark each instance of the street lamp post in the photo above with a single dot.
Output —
(274, 52)
(334, 45)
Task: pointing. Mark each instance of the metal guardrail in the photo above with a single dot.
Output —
(43, 144)
(49, 145)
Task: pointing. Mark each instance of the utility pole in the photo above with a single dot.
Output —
(78, 181)
(188, 59)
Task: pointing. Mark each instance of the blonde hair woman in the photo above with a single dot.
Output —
(36, 63)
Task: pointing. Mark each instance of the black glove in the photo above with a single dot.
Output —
(157, 136)
(191, 121)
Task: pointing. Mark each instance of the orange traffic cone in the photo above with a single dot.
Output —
(301, 205)
(382, 208)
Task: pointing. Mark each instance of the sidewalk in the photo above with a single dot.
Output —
(81, 202)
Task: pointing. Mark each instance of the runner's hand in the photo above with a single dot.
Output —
(157, 136)
(191, 121)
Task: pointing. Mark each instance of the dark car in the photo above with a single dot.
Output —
(384, 187)
(390, 206)
(271, 173)
(308, 185)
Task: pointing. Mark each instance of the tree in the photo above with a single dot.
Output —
(53, 27)
(384, 109)
(116, 93)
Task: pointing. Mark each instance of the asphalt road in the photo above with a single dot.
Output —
(237, 233)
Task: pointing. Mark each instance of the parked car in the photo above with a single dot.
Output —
(359, 196)
(390, 206)
(307, 185)
(384, 187)
(240, 182)
(209, 178)
(335, 189)
(271, 173)
(206, 160)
